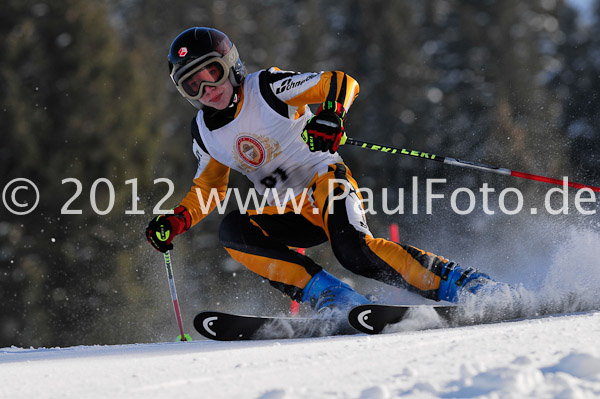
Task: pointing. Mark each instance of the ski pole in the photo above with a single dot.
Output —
(462, 163)
(167, 256)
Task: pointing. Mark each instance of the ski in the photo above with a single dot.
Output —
(503, 305)
(374, 318)
(222, 326)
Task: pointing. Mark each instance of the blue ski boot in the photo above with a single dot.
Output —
(456, 281)
(327, 294)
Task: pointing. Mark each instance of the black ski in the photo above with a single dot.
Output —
(374, 318)
(502, 306)
(233, 327)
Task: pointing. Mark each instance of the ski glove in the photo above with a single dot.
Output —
(324, 130)
(161, 230)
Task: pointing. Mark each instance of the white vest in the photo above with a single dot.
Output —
(263, 145)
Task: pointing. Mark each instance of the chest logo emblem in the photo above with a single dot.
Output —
(251, 150)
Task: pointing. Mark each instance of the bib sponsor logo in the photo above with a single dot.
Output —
(251, 151)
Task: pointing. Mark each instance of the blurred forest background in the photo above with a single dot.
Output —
(85, 94)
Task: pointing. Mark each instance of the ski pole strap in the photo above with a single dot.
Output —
(462, 163)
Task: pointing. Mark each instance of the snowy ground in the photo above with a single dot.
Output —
(537, 357)
(550, 357)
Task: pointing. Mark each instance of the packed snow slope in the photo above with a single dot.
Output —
(547, 357)
(550, 356)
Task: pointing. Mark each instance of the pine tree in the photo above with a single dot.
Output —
(74, 105)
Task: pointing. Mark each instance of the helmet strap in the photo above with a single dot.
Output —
(235, 97)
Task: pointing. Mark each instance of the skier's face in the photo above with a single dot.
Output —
(217, 97)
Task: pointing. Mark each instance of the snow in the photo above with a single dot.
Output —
(547, 357)
(534, 357)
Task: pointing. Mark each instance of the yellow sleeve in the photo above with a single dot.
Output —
(332, 86)
(299, 89)
(210, 187)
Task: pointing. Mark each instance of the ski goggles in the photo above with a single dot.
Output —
(192, 79)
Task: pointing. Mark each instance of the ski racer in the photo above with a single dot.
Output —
(260, 125)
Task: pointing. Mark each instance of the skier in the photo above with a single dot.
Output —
(260, 125)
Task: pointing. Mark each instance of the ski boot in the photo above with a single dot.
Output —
(328, 295)
(456, 281)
